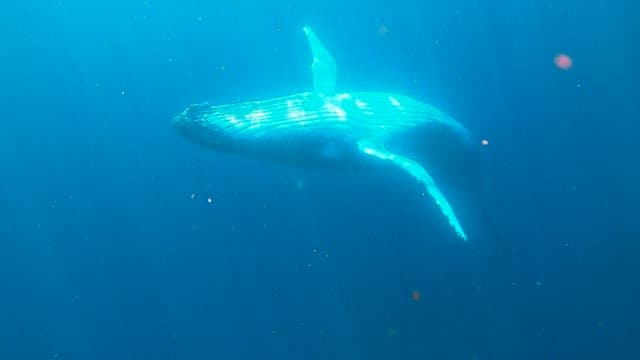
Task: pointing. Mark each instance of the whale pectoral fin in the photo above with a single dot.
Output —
(371, 148)
(323, 67)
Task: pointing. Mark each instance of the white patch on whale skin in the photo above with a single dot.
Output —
(336, 110)
(294, 111)
(233, 120)
(293, 103)
(366, 110)
(360, 104)
(257, 115)
(296, 114)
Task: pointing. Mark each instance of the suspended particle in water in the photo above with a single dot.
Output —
(484, 142)
(392, 331)
(383, 30)
(563, 61)
(416, 295)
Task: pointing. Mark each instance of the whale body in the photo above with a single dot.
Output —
(324, 128)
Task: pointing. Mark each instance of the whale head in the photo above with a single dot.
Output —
(209, 125)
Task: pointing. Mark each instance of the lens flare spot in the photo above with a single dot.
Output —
(563, 61)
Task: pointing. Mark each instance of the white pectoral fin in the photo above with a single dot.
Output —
(323, 67)
(376, 150)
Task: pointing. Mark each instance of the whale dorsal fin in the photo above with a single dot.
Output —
(376, 150)
(323, 67)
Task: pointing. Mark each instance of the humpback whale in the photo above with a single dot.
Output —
(324, 127)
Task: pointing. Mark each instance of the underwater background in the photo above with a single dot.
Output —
(120, 239)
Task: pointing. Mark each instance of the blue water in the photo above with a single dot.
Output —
(120, 239)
